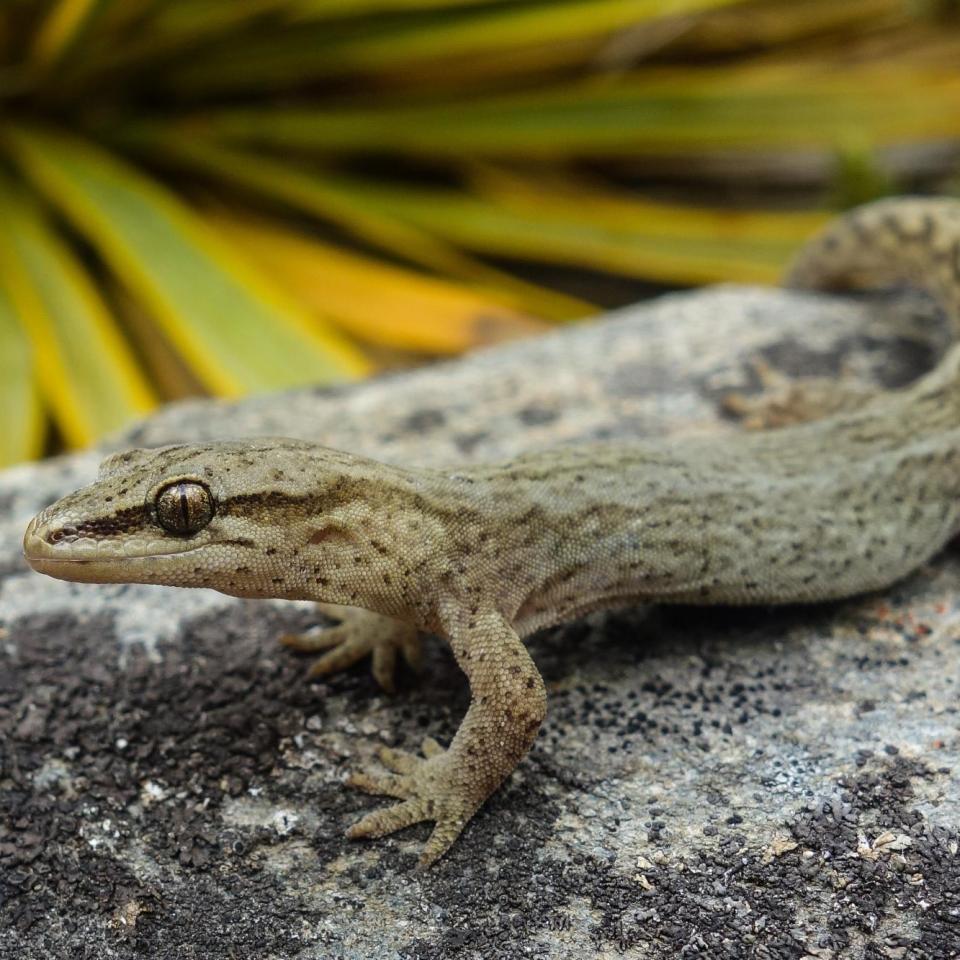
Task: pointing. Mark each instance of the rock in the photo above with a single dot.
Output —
(709, 782)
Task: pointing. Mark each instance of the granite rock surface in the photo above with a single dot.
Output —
(759, 782)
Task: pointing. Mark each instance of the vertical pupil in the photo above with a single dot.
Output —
(184, 506)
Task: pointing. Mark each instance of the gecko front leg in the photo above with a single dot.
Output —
(360, 633)
(508, 704)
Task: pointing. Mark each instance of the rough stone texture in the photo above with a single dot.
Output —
(709, 783)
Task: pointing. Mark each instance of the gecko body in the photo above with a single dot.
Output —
(485, 555)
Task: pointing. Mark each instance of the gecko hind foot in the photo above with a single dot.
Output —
(430, 788)
(360, 633)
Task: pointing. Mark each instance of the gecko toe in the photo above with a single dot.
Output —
(344, 655)
(399, 761)
(384, 665)
(381, 822)
(441, 839)
(359, 634)
(312, 640)
(387, 785)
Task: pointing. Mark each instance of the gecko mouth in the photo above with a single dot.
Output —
(91, 561)
(143, 568)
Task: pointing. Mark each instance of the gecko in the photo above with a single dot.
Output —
(486, 555)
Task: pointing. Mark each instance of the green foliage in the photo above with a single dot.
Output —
(229, 196)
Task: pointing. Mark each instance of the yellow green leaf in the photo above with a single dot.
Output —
(233, 326)
(21, 416)
(330, 9)
(62, 27)
(374, 301)
(749, 26)
(165, 367)
(585, 226)
(663, 111)
(323, 196)
(86, 372)
(498, 31)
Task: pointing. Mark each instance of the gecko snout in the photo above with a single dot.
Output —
(41, 538)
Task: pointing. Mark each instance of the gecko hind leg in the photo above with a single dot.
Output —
(785, 401)
(360, 633)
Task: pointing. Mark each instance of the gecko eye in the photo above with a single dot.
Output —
(184, 507)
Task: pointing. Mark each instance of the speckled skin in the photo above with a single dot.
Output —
(486, 555)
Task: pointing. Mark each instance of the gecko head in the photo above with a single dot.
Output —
(237, 516)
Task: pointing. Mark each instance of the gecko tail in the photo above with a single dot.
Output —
(913, 241)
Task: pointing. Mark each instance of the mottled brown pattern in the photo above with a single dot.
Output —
(489, 553)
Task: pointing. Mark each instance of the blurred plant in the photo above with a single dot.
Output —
(231, 195)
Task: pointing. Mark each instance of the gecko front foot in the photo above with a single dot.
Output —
(360, 633)
(508, 703)
(432, 787)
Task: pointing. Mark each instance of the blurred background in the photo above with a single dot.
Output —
(225, 196)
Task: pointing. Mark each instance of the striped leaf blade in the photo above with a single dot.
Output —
(232, 325)
(379, 303)
(21, 413)
(88, 376)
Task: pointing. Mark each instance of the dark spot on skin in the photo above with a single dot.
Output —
(536, 416)
(467, 442)
(425, 420)
(329, 534)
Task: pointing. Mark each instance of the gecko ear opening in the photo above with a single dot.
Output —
(331, 534)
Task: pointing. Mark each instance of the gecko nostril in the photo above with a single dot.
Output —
(62, 533)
